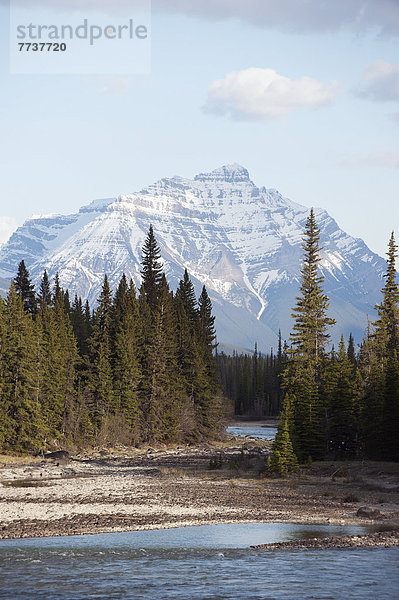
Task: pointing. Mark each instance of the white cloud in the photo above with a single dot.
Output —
(381, 82)
(287, 15)
(292, 15)
(385, 159)
(7, 226)
(256, 93)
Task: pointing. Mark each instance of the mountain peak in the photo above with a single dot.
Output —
(228, 173)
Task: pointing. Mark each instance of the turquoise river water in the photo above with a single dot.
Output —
(196, 563)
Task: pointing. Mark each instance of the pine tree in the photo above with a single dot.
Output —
(343, 393)
(303, 376)
(100, 344)
(387, 325)
(373, 398)
(185, 292)
(206, 321)
(44, 296)
(127, 368)
(58, 292)
(151, 269)
(24, 287)
(310, 331)
(4, 417)
(208, 382)
(60, 356)
(25, 425)
(351, 352)
(80, 325)
(283, 458)
(387, 348)
(391, 410)
(166, 388)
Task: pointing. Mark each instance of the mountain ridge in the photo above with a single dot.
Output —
(242, 241)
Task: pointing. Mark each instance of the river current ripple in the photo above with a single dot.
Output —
(196, 563)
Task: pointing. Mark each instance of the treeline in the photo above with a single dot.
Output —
(339, 404)
(139, 368)
(253, 381)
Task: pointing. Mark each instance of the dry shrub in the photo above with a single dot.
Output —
(115, 430)
(350, 498)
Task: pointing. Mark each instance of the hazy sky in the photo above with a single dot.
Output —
(304, 94)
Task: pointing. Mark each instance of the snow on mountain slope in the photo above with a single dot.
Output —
(242, 241)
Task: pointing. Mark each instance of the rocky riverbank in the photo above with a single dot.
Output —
(125, 489)
(386, 539)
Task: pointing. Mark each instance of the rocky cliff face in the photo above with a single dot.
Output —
(243, 242)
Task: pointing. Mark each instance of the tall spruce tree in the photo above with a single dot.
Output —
(304, 374)
(343, 390)
(185, 292)
(25, 425)
(351, 352)
(165, 382)
(58, 292)
(127, 368)
(208, 397)
(387, 324)
(100, 369)
(387, 348)
(283, 459)
(26, 289)
(60, 356)
(4, 417)
(151, 269)
(44, 295)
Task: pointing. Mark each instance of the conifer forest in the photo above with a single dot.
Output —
(143, 367)
(139, 368)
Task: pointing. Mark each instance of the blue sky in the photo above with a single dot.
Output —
(307, 101)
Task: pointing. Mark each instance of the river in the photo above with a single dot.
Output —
(212, 562)
(196, 563)
(254, 430)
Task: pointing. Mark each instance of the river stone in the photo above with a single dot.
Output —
(369, 513)
(60, 454)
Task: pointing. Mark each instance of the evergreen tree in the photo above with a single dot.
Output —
(185, 292)
(100, 343)
(351, 352)
(67, 304)
(343, 393)
(208, 381)
(310, 331)
(206, 321)
(151, 269)
(391, 410)
(120, 302)
(25, 289)
(60, 356)
(24, 428)
(44, 296)
(4, 417)
(80, 325)
(387, 325)
(58, 292)
(127, 369)
(387, 349)
(303, 376)
(166, 389)
(373, 397)
(283, 458)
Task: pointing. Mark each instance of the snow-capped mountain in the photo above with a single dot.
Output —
(242, 241)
